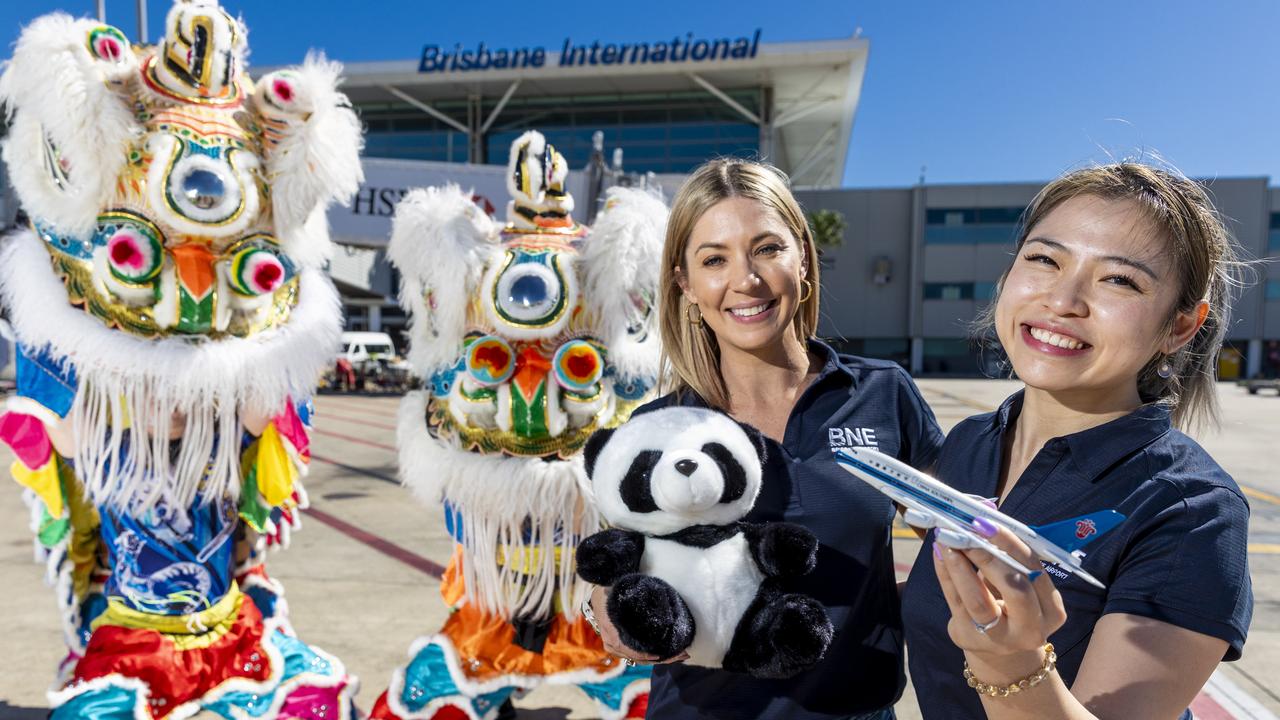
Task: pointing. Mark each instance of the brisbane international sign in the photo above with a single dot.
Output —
(436, 58)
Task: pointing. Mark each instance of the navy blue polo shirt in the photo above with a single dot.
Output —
(1180, 556)
(853, 401)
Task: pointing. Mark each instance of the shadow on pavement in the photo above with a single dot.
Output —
(10, 712)
(532, 713)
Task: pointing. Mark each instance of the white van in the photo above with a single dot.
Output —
(359, 347)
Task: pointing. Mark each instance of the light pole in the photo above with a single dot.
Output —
(102, 11)
(142, 20)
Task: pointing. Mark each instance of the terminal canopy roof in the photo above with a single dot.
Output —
(801, 97)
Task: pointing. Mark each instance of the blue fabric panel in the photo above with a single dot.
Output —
(46, 379)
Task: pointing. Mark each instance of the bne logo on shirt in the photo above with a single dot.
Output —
(843, 437)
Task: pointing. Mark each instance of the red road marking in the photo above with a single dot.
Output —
(382, 545)
(1206, 708)
(366, 423)
(352, 438)
(359, 409)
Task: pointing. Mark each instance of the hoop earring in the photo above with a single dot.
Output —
(1165, 371)
(694, 317)
(808, 286)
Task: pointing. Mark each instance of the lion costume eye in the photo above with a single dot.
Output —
(257, 268)
(135, 249)
(528, 293)
(490, 361)
(578, 366)
(203, 189)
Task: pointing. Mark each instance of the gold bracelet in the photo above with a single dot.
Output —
(1030, 681)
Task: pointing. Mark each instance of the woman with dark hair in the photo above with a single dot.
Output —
(1112, 314)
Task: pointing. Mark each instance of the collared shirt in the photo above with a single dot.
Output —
(853, 401)
(1180, 556)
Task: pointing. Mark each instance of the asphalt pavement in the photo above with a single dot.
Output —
(361, 576)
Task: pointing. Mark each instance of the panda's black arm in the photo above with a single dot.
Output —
(781, 549)
(606, 556)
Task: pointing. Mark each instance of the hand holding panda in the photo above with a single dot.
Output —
(686, 574)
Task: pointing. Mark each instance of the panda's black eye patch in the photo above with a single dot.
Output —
(735, 478)
(635, 490)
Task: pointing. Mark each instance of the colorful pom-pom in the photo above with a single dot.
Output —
(578, 366)
(134, 256)
(490, 361)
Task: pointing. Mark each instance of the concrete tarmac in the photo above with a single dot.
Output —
(361, 575)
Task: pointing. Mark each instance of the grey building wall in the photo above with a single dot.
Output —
(1269, 272)
(1244, 204)
(893, 224)
(878, 226)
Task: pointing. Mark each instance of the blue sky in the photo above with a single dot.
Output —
(974, 90)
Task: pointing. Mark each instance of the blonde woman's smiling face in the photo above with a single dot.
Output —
(743, 269)
(1089, 299)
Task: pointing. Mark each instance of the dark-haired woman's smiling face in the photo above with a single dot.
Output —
(1089, 299)
(743, 270)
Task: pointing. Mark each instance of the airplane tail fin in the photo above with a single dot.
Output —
(1073, 534)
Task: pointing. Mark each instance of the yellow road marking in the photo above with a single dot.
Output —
(1260, 495)
(1254, 548)
(980, 407)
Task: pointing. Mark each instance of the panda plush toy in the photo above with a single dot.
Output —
(687, 575)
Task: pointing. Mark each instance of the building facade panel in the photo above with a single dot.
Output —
(950, 263)
(1243, 204)
(854, 304)
(948, 319)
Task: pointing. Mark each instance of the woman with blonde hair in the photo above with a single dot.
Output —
(739, 313)
(1112, 315)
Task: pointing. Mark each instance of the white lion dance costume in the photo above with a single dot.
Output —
(530, 336)
(172, 317)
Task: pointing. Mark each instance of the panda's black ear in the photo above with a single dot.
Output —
(595, 444)
(758, 440)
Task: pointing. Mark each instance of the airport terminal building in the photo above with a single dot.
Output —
(916, 264)
(915, 267)
(660, 105)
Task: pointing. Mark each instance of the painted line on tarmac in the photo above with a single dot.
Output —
(370, 409)
(356, 420)
(1204, 707)
(960, 399)
(1264, 548)
(325, 409)
(382, 545)
(354, 439)
(1260, 495)
(1231, 701)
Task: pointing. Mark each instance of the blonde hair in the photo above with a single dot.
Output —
(691, 355)
(1205, 265)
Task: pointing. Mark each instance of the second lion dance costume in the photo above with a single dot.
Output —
(172, 317)
(530, 337)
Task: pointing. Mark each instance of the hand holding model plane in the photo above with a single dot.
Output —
(1000, 617)
(990, 566)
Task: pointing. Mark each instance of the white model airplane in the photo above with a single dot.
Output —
(931, 504)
